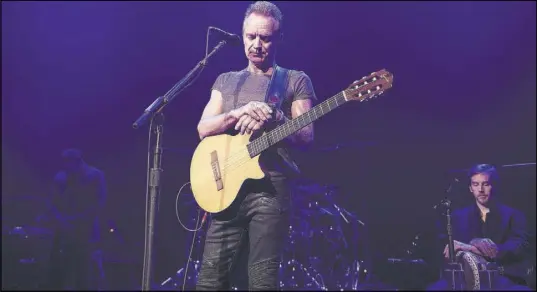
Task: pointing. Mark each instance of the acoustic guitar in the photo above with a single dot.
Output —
(222, 163)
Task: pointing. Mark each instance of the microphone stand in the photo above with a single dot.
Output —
(451, 244)
(155, 115)
(446, 202)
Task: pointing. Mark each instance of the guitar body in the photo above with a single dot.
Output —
(219, 167)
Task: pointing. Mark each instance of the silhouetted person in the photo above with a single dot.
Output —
(78, 199)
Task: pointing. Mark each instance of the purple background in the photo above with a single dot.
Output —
(77, 74)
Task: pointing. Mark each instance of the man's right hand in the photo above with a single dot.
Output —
(252, 116)
(458, 246)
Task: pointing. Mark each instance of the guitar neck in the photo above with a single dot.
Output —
(262, 143)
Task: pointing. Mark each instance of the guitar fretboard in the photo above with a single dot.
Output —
(281, 132)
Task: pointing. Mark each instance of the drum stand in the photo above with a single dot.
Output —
(290, 279)
(310, 277)
(176, 282)
(191, 269)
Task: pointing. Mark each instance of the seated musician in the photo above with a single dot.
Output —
(492, 231)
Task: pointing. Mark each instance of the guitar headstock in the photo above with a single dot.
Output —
(369, 86)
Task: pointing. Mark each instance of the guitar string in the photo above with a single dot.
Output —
(258, 144)
(280, 131)
(238, 158)
(242, 156)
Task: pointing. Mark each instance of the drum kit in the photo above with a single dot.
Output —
(323, 251)
(324, 239)
(25, 245)
(27, 242)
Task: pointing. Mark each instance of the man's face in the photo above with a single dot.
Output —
(260, 36)
(481, 188)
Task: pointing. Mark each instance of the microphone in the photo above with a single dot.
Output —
(443, 203)
(232, 39)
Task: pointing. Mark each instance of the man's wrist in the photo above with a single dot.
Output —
(232, 115)
(465, 246)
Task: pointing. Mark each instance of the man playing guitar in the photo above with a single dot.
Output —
(258, 219)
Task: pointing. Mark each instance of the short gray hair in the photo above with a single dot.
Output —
(267, 9)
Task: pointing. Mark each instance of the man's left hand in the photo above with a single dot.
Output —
(486, 246)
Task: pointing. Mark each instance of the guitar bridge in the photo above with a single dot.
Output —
(216, 171)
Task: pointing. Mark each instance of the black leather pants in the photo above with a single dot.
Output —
(256, 221)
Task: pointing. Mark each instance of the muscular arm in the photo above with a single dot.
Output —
(303, 102)
(303, 137)
(213, 120)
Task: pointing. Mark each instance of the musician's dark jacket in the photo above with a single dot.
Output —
(505, 226)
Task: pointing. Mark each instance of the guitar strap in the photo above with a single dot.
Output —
(274, 97)
(277, 87)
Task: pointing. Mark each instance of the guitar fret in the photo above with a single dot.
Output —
(262, 143)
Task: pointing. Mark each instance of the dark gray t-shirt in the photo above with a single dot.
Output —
(240, 87)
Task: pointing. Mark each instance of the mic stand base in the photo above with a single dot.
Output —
(154, 189)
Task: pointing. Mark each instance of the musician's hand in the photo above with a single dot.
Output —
(485, 246)
(457, 246)
(476, 251)
(252, 116)
(247, 124)
(259, 111)
(446, 249)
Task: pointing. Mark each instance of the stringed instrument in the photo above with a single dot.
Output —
(222, 163)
